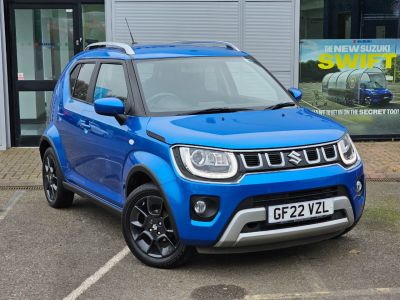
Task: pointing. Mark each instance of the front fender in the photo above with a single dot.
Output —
(158, 168)
(161, 173)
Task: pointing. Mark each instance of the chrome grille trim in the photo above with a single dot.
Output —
(260, 165)
(292, 158)
(275, 165)
(333, 158)
(315, 161)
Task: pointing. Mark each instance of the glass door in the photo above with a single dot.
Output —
(45, 39)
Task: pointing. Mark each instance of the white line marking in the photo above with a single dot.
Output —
(97, 275)
(340, 294)
(13, 200)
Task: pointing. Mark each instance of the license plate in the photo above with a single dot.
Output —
(300, 211)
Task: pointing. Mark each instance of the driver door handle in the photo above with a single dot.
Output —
(85, 126)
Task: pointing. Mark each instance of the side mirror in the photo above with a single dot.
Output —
(296, 93)
(109, 107)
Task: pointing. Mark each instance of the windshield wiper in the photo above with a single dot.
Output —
(214, 110)
(280, 105)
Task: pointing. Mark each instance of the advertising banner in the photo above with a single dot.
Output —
(355, 82)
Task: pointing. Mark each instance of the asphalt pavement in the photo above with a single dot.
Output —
(79, 252)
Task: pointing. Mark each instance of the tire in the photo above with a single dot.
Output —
(149, 232)
(57, 196)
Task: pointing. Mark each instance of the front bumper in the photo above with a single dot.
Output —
(277, 238)
(224, 232)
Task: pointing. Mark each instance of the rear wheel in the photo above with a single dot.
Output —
(149, 231)
(57, 196)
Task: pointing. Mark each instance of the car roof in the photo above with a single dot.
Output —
(161, 51)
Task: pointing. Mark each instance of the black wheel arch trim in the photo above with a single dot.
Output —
(50, 142)
(143, 169)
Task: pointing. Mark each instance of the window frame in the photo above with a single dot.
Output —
(130, 103)
(125, 77)
(89, 96)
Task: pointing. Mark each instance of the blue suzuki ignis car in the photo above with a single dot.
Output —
(200, 149)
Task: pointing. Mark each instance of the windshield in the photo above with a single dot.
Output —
(373, 81)
(187, 85)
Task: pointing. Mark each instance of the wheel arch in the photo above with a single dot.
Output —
(138, 176)
(142, 170)
(45, 143)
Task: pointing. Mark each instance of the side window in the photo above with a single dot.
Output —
(80, 90)
(73, 78)
(111, 82)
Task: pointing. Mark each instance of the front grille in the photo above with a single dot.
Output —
(293, 197)
(298, 196)
(252, 160)
(290, 158)
(312, 154)
(274, 158)
(330, 151)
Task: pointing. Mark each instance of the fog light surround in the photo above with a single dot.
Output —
(359, 187)
(203, 208)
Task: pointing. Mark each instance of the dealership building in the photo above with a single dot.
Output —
(38, 37)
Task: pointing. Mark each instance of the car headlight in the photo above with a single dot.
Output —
(208, 163)
(347, 150)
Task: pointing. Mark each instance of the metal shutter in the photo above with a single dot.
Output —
(154, 22)
(269, 36)
(264, 28)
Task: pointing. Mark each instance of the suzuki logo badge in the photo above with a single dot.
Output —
(295, 157)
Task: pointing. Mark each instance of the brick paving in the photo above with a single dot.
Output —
(22, 166)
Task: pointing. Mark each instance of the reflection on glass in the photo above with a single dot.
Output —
(343, 19)
(93, 21)
(34, 108)
(44, 39)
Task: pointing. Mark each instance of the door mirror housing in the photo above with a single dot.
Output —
(109, 107)
(296, 93)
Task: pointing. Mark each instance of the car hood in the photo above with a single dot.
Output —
(248, 129)
(379, 91)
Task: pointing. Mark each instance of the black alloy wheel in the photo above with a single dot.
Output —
(149, 230)
(50, 178)
(57, 196)
(151, 227)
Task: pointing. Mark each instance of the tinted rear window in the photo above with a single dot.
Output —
(81, 87)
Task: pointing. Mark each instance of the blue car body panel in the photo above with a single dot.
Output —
(248, 129)
(97, 157)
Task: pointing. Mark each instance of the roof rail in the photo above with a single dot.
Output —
(127, 48)
(226, 44)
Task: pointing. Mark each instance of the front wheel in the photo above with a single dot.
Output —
(148, 229)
